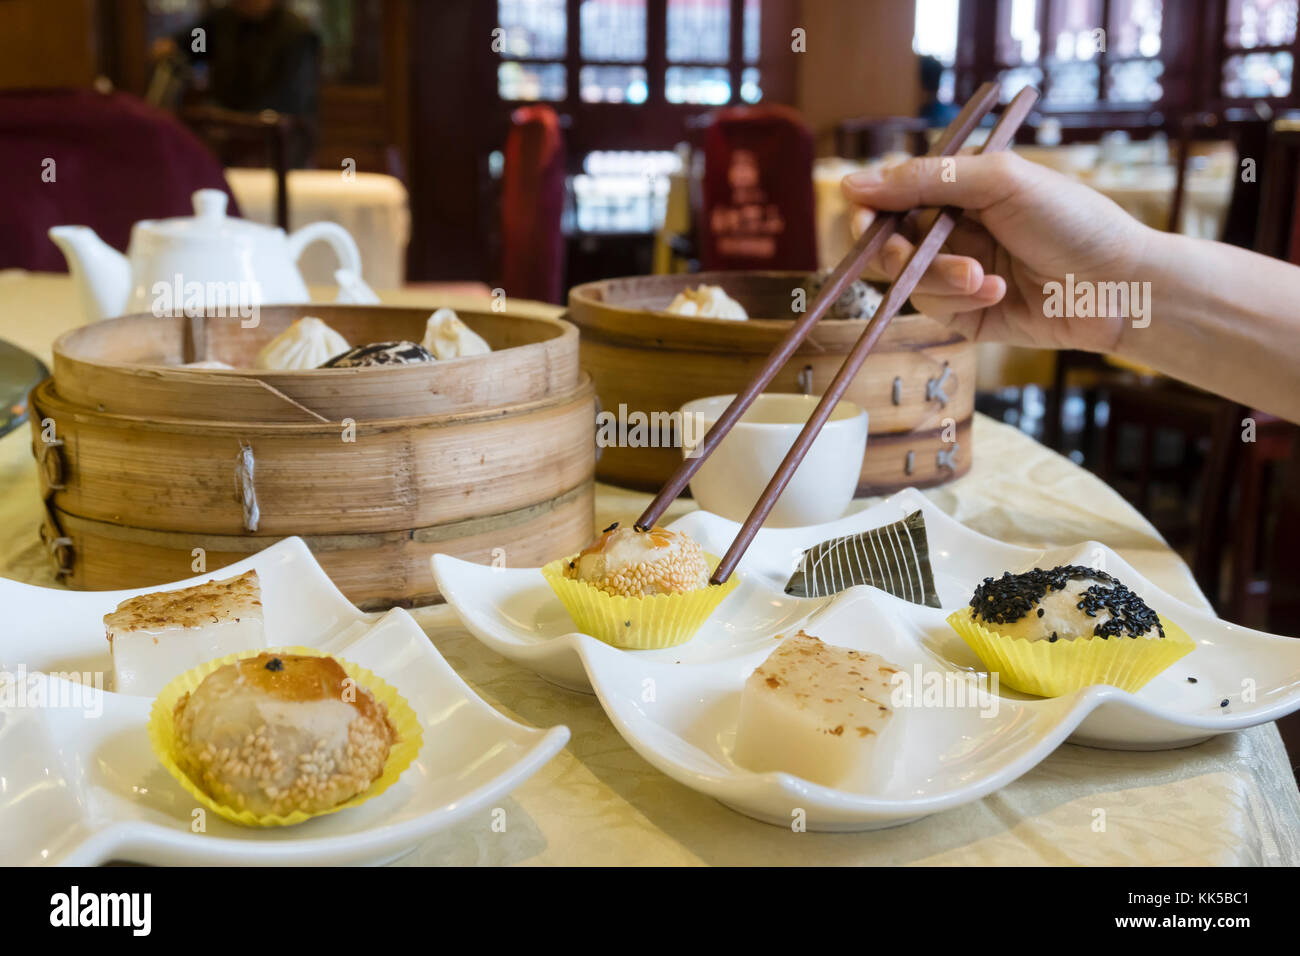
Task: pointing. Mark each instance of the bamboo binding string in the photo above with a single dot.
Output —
(848, 269)
(897, 294)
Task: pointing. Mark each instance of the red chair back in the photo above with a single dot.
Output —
(79, 157)
(532, 201)
(758, 191)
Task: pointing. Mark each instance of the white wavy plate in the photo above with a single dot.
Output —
(79, 789)
(679, 707)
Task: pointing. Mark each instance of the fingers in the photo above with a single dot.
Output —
(969, 182)
(947, 275)
(990, 292)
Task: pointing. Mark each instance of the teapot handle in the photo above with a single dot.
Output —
(344, 246)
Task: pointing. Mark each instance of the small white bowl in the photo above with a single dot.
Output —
(734, 476)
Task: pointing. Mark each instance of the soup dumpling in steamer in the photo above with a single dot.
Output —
(308, 343)
(447, 337)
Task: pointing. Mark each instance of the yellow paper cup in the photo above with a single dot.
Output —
(162, 736)
(636, 623)
(1053, 668)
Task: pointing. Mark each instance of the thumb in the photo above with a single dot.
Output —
(968, 182)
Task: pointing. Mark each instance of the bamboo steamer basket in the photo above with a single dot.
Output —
(145, 466)
(918, 383)
(130, 366)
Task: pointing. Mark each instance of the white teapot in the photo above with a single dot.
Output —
(209, 261)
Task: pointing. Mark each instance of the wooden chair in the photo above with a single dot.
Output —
(1247, 448)
(1162, 405)
(1278, 234)
(230, 134)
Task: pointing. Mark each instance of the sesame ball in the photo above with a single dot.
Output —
(636, 563)
(278, 733)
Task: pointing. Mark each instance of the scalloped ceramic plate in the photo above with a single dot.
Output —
(80, 785)
(679, 707)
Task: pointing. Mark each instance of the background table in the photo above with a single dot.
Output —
(371, 206)
(1231, 800)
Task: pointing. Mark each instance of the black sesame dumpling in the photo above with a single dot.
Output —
(858, 301)
(1062, 604)
(382, 353)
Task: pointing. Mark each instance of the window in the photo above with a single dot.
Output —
(1258, 39)
(1019, 46)
(620, 191)
(532, 32)
(1084, 54)
(699, 32)
(936, 35)
(613, 49)
(611, 56)
(1108, 62)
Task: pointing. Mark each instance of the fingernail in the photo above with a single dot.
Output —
(893, 261)
(957, 275)
(864, 179)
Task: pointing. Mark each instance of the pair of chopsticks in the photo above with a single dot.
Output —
(849, 269)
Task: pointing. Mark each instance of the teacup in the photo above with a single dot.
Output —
(731, 480)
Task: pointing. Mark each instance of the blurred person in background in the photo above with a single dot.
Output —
(254, 55)
(933, 110)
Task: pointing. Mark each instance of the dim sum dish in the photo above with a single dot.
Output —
(351, 729)
(638, 588)
(894, 558)
(860, 706)
(308, 343)
(379, 464)
(1052, 631)
(272, 738)
(707, 302)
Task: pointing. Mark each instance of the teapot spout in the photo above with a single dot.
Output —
(102, 274)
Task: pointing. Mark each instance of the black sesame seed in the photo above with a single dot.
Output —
(1053, 639)
(1191, 680)
(1224, 702)
(627, 623)
(275, 664)
(610, 528)
(1011, 597)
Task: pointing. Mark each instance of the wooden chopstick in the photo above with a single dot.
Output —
(848, 269)
(899, 291)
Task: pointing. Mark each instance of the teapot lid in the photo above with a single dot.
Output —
(208, 222)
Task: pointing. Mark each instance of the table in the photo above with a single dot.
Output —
(1231, 800)
(371, 206)
(1146, 194)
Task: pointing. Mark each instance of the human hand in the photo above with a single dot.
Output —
(1025, 226)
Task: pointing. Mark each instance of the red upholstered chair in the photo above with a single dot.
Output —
(758, 191)
(116, 160)
(532, 201)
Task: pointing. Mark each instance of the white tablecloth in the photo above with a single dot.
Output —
(1231, 800)
(1147, 194)
(371, 206)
